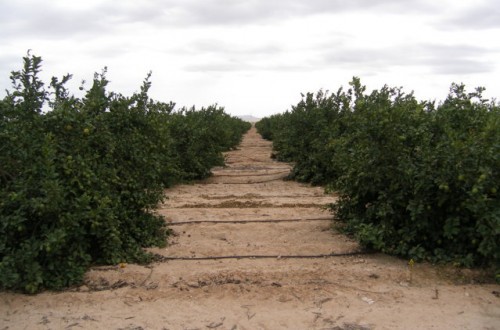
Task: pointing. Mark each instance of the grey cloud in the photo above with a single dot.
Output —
(44, 20)
(218, 46)
(459, 66)
(247, 66)
(298, 67)
(454, 59)
(447, 50)
(482, 16)
(227, 66)
(110, 50)
(229, 55)
(434, 58)
(146, 12)
(373, 57)
(439, 59)
(222, 12)
(48, 20)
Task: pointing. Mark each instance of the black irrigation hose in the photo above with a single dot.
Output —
(246, 157)
(161, 258)
(255, 161)
(254, 182)
(245, 175)
(245, 221)
(254, 169)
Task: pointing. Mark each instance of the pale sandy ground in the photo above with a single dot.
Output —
(247, 210)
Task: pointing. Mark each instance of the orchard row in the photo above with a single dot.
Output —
(415, 179)
(80, 177)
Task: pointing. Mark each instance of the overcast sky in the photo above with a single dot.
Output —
(255, 57)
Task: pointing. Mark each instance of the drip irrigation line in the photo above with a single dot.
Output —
(228, 158)
(253, 206)
(243, 169)
(245, 175)
(311, 256)
(245, 221)
(273, 166)
(253, 182)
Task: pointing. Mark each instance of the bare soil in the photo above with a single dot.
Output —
(253, 251)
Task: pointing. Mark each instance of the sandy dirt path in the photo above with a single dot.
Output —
(277, 264)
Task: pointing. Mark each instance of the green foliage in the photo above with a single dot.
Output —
(78, 183)
(299, 135)
(414, 179)
(200, 138)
